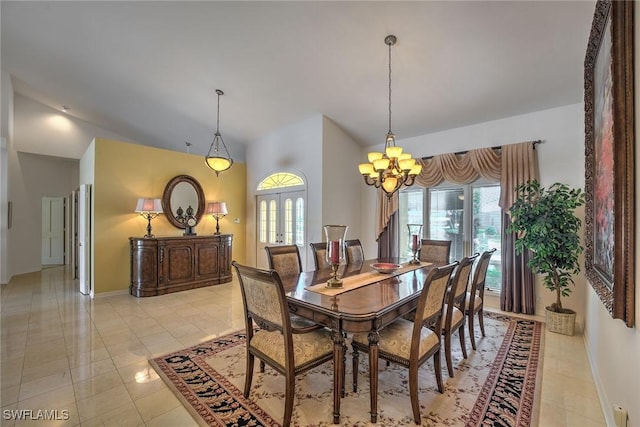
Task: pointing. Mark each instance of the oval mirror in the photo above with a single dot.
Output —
(183, 195)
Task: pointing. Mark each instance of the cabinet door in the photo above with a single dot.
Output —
(208, 259)
(144, 267)
(225, 259)
(176, 262)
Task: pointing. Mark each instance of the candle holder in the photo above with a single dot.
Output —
(335, 251)
(415, 234)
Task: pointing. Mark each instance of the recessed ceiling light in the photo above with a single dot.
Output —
(65, 109)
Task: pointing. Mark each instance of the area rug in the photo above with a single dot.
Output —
(497, 385)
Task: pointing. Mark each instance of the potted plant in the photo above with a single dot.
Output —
(544, 221)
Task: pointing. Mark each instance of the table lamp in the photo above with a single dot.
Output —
(217, 210)
(149, 209)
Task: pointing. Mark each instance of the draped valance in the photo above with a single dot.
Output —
(511, 165)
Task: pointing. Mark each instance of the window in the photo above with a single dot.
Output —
(467, 215)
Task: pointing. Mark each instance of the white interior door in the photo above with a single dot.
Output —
(281, 220)
(84, 239)
(52, 230)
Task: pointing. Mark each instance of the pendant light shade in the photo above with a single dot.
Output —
(217, 162)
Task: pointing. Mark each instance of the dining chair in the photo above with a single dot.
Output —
(285, 259)
(407, 343)
(454, 308)
(354, 251)
(435, 250)
(475, 297)
(288, 350)
(319, 255)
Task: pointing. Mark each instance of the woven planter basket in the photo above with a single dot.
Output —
(561, 323)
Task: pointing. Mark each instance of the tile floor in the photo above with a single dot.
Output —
(87, 359)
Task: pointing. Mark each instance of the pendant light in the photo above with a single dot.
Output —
(217, 162)
(391, 169)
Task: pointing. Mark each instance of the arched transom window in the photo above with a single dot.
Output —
(280, 180)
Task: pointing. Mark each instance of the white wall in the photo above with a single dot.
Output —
(66, 135)
(341, 181)
(327, 158)
(6, 140)
(296, 148)
(32, 176)
(614, 349)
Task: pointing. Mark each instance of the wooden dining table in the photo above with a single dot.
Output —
(367, 302)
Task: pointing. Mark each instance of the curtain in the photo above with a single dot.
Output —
(519, 165)
(514, 164)
(388, 240)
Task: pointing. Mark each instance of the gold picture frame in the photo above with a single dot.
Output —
(609, 158)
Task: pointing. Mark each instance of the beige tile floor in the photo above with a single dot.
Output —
(87, 359)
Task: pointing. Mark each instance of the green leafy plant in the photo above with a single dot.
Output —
(544, 221)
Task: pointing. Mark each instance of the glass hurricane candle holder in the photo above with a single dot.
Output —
(335, 251)
(415, 235)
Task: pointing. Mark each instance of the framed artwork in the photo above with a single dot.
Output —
(609, 158)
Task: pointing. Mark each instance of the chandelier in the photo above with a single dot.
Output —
(217, 162)
(393, 168)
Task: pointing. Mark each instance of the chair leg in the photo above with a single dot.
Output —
(413, 392)
(354, 359)
(262, 367)
(248, 377)
(481, 321)
(447, 353)
(438, 371)
(472, 336)
(463, 345)
(288, 399)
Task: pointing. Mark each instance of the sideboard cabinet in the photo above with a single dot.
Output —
(163, 265)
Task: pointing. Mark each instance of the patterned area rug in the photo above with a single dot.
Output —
(495, 386)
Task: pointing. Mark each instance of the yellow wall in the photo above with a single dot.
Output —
(125, 172)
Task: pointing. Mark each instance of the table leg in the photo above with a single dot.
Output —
(374, 337)
(338, 371)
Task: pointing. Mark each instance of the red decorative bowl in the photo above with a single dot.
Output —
(384, 267)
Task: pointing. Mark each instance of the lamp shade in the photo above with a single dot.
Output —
(149, 205)
(216, 208)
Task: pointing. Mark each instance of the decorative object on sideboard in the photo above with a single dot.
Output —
(217, 210)
(149, 209)
(217, 162)
(335, 236)
(393, 168)
(182, 192)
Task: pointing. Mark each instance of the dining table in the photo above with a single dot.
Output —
(367, 302)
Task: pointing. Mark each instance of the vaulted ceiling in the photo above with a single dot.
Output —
(148, 70)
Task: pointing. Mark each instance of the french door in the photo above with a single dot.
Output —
(467, 215)
(280, 221)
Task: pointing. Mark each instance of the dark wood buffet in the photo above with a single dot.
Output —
(163, 265)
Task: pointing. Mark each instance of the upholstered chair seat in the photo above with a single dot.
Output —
(307, 348)
(395, 340)
(409, 344)
(288, 349)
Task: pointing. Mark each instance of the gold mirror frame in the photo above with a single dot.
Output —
(166, 199)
